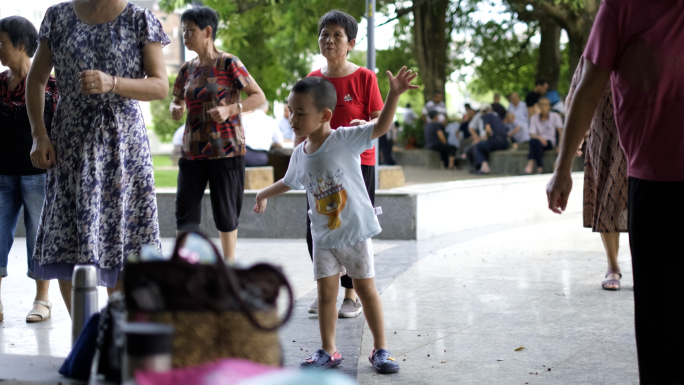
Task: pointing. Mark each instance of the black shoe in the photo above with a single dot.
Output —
(383, 362)
(322, 360)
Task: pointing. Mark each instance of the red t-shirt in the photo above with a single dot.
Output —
(641, 43)
(357, 96)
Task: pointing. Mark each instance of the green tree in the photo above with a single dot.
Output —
(504, 61)
(162, 123)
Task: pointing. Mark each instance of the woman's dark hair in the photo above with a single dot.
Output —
(21, 33)
(202, 17)
(323, 92)
(343, 19)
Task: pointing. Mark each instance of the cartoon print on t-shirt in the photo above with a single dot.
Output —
(330, 196)
(348, 98)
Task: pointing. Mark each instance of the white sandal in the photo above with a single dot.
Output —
(39, 310)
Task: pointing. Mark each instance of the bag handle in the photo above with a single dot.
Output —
(233, 280)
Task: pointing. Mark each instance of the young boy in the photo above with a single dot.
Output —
(327, 165)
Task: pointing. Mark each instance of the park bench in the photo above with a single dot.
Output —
(513, 162)
(419, 157)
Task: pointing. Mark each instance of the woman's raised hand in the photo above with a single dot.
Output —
(95, 82)
(402, 82)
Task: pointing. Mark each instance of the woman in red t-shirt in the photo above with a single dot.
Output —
(358, 102)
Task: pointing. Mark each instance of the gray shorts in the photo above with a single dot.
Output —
(355, 260)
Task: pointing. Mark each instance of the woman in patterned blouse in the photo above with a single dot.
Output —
(214, 141)
(21, 184)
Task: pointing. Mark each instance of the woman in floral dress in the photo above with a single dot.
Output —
(100, 204)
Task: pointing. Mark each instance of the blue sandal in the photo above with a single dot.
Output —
(382, 361)
(322, 360)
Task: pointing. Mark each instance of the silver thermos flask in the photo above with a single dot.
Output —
(83, 298)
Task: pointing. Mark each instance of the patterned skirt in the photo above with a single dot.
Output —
(605, 174)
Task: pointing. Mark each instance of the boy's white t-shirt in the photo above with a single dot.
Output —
(340, 209)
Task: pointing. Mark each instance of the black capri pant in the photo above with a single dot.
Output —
(226, 178)
(537, 151)
(657, 265)
(445, 151)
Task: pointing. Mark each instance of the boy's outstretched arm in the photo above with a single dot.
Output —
(398, 85)
(275, 189)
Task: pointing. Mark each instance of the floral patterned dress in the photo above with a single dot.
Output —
(100, 204)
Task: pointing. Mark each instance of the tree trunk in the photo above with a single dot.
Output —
(430, 44)
(575, 51)
(548, 66)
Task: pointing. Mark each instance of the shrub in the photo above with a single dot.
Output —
(164, 126)
(414, 131)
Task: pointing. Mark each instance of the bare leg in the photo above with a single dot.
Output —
(228, 243)
(327, 311)
(350, 293)
(372, 310)
(611, 242)
(42, 287)
(485, 167)
(117, 287)
(65, 289)
(529, 167)
(41, 295)
(451, 162)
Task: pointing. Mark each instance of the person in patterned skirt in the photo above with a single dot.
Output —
(605, 181)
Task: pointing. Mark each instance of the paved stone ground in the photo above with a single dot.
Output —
(456, 308)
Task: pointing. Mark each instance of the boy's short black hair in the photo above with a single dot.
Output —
(323, 92)
(343, 19)
(21, 33)
(432, 114)
(202, 17)
(408, 105)
(540, 82)
(467, 106)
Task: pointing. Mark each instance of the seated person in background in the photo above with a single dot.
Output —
(463, 134)
(435, 140)
(532, 98)
(477, 133)
(543, 127)
(497, 139)
(284, 125)
(517, 132)
(517, 107)
(436, 104)
(497, 107)
(261, 133)
(452, 131)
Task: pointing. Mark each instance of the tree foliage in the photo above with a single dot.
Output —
(504, 60)
(162, 123)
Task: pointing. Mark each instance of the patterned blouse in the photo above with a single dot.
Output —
(204, 88)
(15, 129)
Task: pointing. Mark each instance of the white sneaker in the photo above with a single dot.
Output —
(313, 308)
